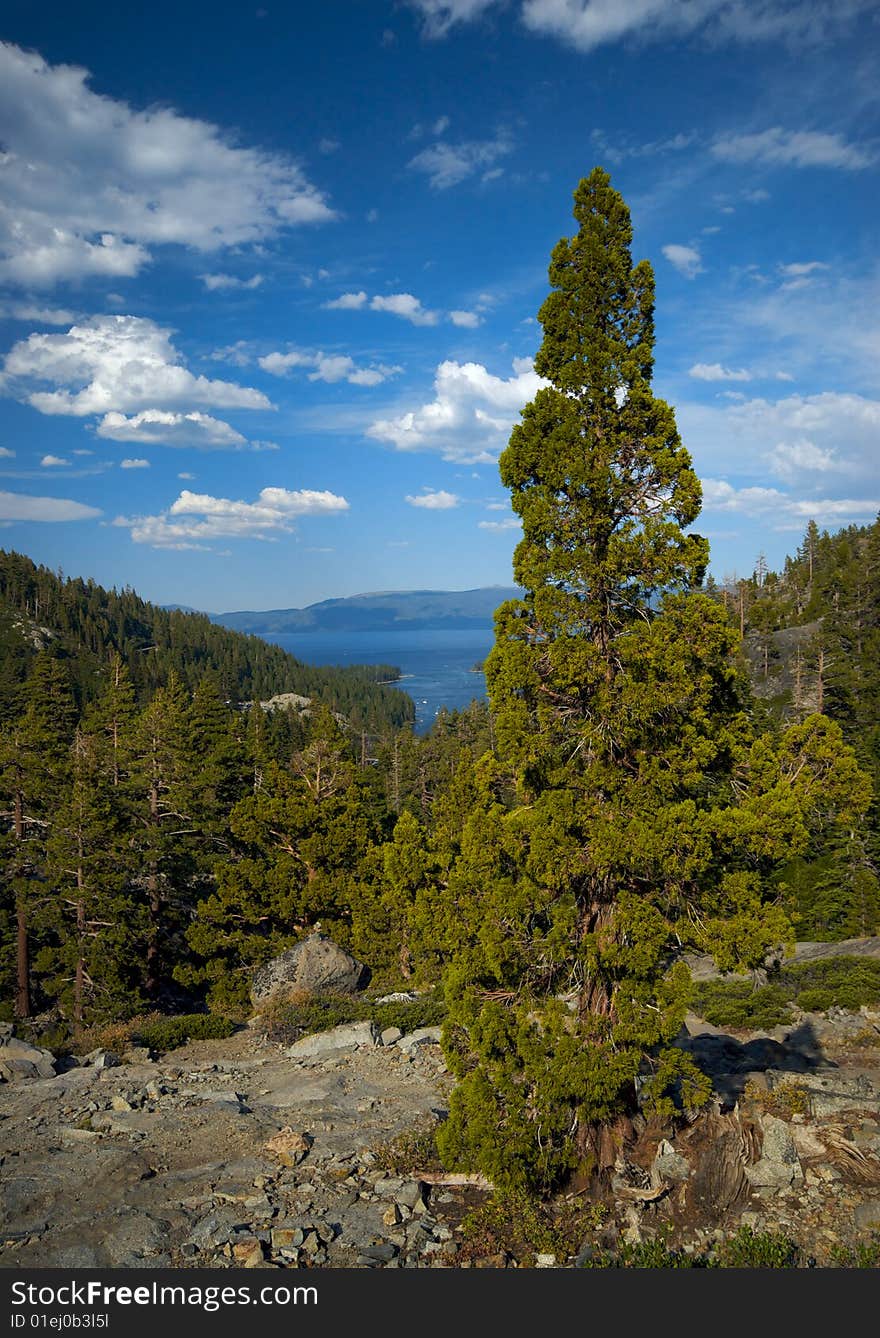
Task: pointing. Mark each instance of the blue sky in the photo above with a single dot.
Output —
(269, 275)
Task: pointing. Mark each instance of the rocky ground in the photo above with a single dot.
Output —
(244, 1153)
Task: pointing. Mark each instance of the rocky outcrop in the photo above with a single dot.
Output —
(315, 965)
(19, 1059)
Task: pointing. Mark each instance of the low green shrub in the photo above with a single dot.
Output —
(758, 1249)
(848, 981)
(288, 1020)
(841, 982)
(737, 1003)
(170, 1032)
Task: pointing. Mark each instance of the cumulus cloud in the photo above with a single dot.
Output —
(405, 305)
(195, 520)
(134, 464)
(16, 506)
(347, 302)
(791, 459)
(829, 439)
(53, 461)
(91, 183)
(468, 320)
(118, 365)
(470, 417)
(447, 165)
(686, 259)
(217, 282)
(784, 510)
(6, 453)
(500, 526)
(240, 354)
(329, 367)
(431, 499)
(714, 371)
(778, 147)
(163, 427)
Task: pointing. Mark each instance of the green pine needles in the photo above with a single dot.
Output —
(630, 811)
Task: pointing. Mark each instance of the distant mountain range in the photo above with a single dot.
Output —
(390, 610)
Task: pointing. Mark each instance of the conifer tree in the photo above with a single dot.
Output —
(33, 773)
(162, 825)
(620, 720)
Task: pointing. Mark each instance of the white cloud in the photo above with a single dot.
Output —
(81, 451)
(91, 184)
(587, 24)
(470, 417)
(438, 16)
(327, 145)
(468, 320)
(784, 510)
(195, 520)
(6, 453)
(829, 436)
(27, 311)
(114, 364)
(16, 506)
(447, 165)
(713, 371)
(240, 354)
(347, 302)
(134, 464)
(405, 305)
(216, 282)
(434, 500)
(186, 475)
(797, 270)
(686, 259)
(777, 147)
(790, 460)
(163, 427)
(328, 367)
(54, 462)
(500, 526)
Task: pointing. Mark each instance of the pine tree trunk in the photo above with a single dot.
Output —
(22, 964)
(151, 980)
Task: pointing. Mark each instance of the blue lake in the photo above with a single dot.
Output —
(436, 665)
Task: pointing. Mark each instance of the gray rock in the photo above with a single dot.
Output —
(390, 1036)
(400, 996)
(410, 1195)
(422, 1036)
(669, 1165)
(316, 964)
(381, 1254)
(101, 1059)
(350, 1036)
(779, 1165)
(19, 1059)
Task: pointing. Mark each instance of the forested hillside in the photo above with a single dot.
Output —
(86, 625)
(811, 638)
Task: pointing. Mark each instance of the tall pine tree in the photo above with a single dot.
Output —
(619, 717)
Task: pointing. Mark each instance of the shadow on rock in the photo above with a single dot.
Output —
(730, 1062)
